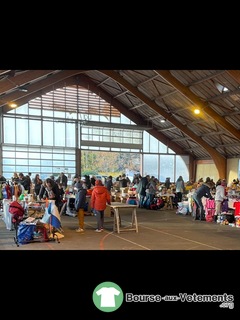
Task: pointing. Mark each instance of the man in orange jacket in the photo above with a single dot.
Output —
(99, 200)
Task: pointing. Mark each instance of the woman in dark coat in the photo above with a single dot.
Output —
(37, 184)
(53, 192)
(203, 191)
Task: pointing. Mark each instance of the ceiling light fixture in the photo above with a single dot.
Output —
(22, 89)
(163, 120)
(12, 105)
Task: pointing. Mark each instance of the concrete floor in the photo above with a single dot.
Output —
(158, 230)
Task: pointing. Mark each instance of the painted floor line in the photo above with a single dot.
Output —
(112, 233)
(159, 231)
(179, 237)
(117, 236)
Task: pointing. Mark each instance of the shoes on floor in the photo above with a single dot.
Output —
(79, 230)
(99, 230)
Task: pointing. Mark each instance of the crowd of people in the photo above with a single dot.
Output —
(146, 189)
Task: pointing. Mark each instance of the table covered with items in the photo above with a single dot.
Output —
(32, 221)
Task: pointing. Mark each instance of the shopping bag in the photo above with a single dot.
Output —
(25, 233)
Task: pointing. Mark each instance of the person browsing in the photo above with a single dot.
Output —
(99, 200)
(80, 201)
(203, 191)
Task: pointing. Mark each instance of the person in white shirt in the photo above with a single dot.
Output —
(219, 197)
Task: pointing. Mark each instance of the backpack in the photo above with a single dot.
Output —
(17, 211)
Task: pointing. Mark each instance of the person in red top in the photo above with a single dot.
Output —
(99, 200)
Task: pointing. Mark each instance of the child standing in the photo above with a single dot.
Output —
(80, 200)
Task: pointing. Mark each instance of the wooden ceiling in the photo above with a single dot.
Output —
(149, 96)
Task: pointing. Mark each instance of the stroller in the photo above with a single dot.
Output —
(26, 229)
(17, 212)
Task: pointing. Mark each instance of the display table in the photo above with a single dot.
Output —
(36, 208)
(167, 198)
(115, 196)
(117, 206)
(234, 204)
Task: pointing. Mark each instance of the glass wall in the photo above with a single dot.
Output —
(44, 135)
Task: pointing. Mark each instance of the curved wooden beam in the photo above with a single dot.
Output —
(166, 75)
(39, 88)
(235, 74)
(87, 83)
(218, 159)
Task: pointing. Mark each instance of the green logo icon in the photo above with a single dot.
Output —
(107, 296)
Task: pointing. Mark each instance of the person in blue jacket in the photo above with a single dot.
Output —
(80, 201)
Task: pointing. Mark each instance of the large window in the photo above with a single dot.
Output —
(167, 167)
(66, 128)
(38, 160)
